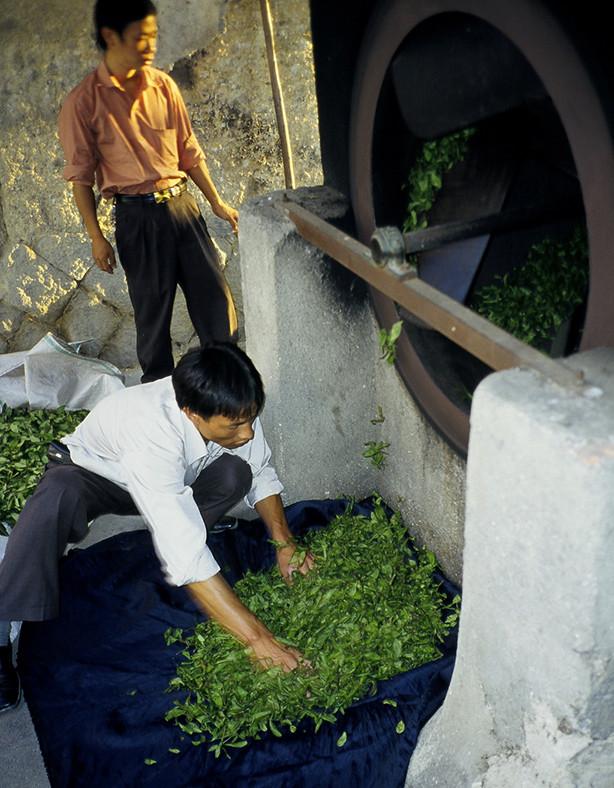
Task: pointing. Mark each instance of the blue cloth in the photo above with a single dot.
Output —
(95, 681)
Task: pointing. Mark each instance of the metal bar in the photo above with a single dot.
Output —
(278, 99)
(440, 235)
(491, 344)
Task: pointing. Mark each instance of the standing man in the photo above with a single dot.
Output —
(126, 128)
(182, 451)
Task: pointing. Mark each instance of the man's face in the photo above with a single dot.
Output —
(136, 46)
(227, 432)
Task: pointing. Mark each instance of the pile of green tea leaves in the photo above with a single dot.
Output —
(24, 438)
(436, 157)
(369, 611)
(533, 300)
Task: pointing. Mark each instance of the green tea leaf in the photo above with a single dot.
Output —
(533, 300)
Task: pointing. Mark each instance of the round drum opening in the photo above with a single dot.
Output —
(513, 74)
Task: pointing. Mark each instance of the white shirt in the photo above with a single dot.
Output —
(142, 441)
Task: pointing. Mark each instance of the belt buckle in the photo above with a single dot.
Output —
(163, 196)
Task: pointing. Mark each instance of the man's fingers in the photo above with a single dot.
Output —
(307, 564)
(288, 657)
(234, 222)
(104, 257)
(105, 266)
(294, 659)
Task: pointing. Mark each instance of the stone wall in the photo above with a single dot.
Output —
(216, 52)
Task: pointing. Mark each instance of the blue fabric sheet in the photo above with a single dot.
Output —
(95, 681)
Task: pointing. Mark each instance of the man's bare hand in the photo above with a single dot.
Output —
(231, 215)
(288, 562)
(102, 251)
(218, 601)
(270, 652)
(201, 177)
(103, 255)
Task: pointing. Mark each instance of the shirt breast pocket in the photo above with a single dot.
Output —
(164, 142)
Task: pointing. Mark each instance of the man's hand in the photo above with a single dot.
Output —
(201, 177)
(288, 562)
(231, 215)
(102, 251)
(269, 651)
(271, 511)
(103, 255)
(218, 601)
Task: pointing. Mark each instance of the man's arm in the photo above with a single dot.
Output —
(102, 251)
(271, 511)
(218, 601)
(201, 177)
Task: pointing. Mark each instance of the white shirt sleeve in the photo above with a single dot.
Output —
(139, 439)
(257, 454)
(156, 483)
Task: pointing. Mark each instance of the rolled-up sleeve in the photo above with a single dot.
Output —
(77, 143)
(257, 454)
(188, 148)
(167, 504)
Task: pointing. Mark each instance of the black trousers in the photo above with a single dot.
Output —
(65, 500)
(161, 246)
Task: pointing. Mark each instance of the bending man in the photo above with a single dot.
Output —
(181, 451)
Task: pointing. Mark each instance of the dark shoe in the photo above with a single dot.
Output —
(224, 524)
(10, 686)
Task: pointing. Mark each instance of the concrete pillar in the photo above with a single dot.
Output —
(309, 346)
(531, 702)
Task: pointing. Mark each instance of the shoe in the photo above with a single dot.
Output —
(224, 524)
(10, 686)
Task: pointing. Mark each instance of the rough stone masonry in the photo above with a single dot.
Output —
(215, 50)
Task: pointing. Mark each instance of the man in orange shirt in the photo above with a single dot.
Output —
(126, 128)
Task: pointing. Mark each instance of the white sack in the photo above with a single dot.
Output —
(53, 374)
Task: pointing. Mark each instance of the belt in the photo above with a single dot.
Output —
(158, 197)
(59, 452)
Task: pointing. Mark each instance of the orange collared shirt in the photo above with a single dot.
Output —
(131, 146)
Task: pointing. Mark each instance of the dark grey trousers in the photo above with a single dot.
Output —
(65, 500)
(161, 246)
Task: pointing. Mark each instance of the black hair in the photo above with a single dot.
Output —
(118, 14)
(218, 379)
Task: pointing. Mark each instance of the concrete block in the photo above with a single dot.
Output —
(532, 692)
(309, 350)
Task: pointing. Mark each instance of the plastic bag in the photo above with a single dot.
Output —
(53, 374)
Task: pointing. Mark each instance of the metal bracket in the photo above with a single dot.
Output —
(388, 249)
